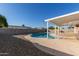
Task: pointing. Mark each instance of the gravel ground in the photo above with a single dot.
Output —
(12, 46)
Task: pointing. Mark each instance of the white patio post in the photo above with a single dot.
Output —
(55, 30)
(74, 29)
(47, 29)
(58, 30)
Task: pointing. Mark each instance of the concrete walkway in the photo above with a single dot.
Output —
(59, 47)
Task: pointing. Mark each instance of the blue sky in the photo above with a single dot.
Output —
(33, 15)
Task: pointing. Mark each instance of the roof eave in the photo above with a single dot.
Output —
(62, 16)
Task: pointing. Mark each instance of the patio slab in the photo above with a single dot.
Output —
(59, 47)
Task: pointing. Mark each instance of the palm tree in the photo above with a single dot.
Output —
(3, 21)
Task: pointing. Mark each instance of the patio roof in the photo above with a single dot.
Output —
(64, 19)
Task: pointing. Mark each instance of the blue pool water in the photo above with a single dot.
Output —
(42, 35)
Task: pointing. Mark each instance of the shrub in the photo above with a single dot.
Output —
(3, 21)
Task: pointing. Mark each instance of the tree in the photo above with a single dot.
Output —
(3, 21)
(23, 25)
(51, 27)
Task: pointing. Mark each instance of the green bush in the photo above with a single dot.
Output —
(51, 27)
(3, 22)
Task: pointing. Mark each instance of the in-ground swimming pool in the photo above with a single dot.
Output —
(41, 35)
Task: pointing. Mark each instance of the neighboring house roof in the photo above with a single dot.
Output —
(19, 27)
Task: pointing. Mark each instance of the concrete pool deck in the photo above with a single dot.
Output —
(58, 47)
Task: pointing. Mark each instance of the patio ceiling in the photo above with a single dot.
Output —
(64, 19)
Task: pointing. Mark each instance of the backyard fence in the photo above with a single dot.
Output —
(18, 31)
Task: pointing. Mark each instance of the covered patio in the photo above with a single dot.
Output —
(59, 21)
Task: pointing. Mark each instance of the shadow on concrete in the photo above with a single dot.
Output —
(51, 51)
